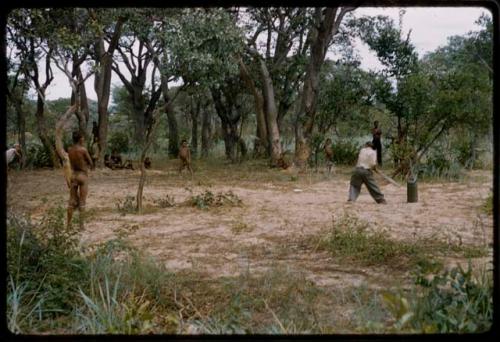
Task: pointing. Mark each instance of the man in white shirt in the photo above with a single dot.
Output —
(363, 174)
(11, 153)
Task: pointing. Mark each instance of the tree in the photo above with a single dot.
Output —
(324, 25)
(108, 28)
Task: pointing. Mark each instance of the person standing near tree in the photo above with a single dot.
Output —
(363, 174)
(377, 143)
(80, 163)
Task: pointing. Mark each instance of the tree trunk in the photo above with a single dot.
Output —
(194, 129)
(261, 141)
(138, 112)
(21, 128)
(173, 133)
(102, 85)
(231, 138)
(42, 130)
(323, 28)
(206, 132)
(82, 114)
(271, 112)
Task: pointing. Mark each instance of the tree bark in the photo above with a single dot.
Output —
(82, 114)
(206, 132)
(271, 112)
(173, 133)
(323, 28)
(261, 143)
(42, 129)
(195, 113)
(102, 85)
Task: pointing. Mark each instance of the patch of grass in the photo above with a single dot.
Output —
(165, 202)
(127, 205)
(208, 199)
(350, 238)
(241, 227)
(488, 205)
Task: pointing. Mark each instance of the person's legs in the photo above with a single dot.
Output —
(355, 185)
(73, 201)
(84, 188)
(373, 188)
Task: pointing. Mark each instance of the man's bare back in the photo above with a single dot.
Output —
(79, 158)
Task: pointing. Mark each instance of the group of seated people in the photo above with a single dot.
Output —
(115, 162)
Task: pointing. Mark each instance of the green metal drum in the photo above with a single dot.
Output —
(412, 190)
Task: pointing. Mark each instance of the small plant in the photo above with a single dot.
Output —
(488, 205)
(454, 301)
(241, 227)
(208, 199)
(127, 205)
(165, 202)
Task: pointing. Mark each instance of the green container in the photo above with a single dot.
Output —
(412, 191)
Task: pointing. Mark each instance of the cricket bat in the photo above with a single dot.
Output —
(387, 178)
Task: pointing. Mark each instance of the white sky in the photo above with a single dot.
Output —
(430, 27)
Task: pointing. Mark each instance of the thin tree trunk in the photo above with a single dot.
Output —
(102, 85)
(194, 129)
(42, 130)
(271, 112)
(173, 133)
(261, 142)
(206, 132)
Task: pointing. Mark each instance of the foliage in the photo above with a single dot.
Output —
(127, 205)
(208, 199)
(43, 261)
(118, 141)
(345, 152)
(488, 204)
(440, 165)
(165, 202)
(454, 301)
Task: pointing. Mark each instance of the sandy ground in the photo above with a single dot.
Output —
(277, 213)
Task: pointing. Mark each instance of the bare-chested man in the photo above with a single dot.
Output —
(328, 154)
(80, 162)
(185, 157)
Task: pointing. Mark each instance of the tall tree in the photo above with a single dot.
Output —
(109, 33)
(324, 25)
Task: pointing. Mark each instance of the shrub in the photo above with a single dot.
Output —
(43, 262)
(350, 238)
(118, 140)
(454, 301)
(208, 199)
(37, 156)
(127, 205)
(345, 152)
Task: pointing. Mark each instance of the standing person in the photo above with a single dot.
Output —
(12, 153)
(80, 162)
(185, 157)
(328, 154)
(363, 174)
(377, 144)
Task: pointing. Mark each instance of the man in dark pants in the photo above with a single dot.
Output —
(377, 144)
(363, 174)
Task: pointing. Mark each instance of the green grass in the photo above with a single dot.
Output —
(114, 288)
(351, 239)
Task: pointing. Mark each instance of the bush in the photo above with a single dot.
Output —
(208, 199)
(455, 301)
(37, 156)
(127, 205)
(119, 141)
(43, 262)
(441, 166)
(350, 238)
(345, 152)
